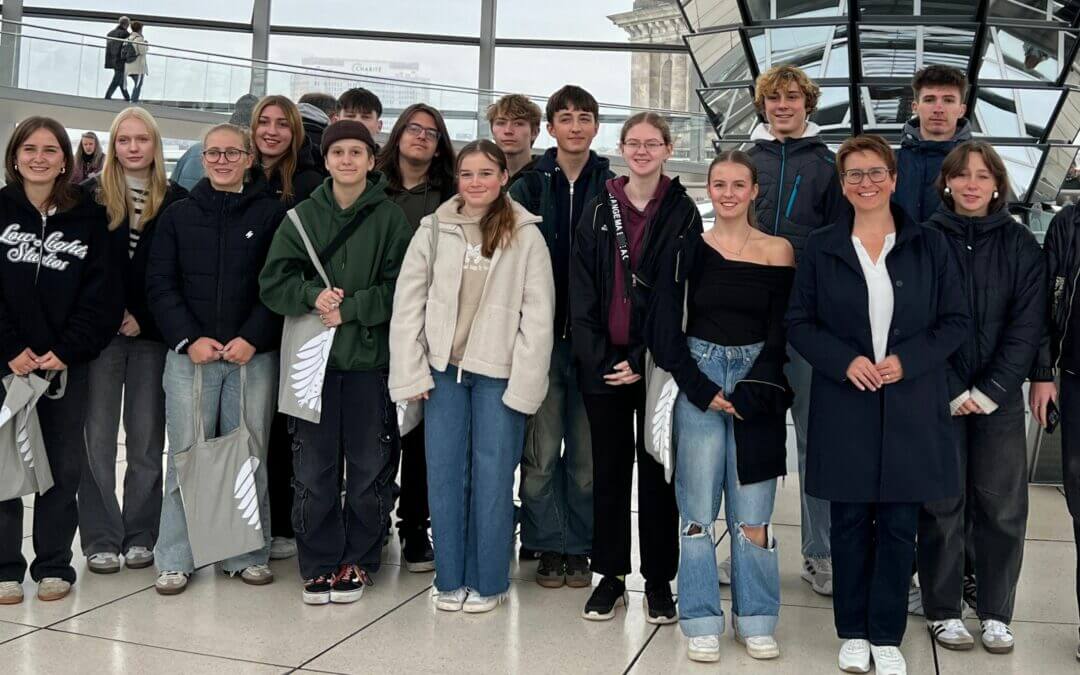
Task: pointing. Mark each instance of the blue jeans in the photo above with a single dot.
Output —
(471, 479)
(557, 487)
(705, 471)
(221, 408)
(816, 517)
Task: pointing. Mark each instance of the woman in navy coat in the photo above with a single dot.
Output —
(877, 309)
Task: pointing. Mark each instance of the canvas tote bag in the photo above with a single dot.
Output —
(217, 487)
(24, 466)
(305, 351)
(661, 391)
(411, 413)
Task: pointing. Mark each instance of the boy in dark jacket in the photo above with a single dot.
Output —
(557, 521)
(113, 61)
(800, 192)
(937, 128)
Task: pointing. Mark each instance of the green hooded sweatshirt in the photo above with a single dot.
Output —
(366, 267)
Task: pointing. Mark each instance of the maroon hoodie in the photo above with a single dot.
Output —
(634, 222)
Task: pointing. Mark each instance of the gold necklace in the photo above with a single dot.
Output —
(749, 233)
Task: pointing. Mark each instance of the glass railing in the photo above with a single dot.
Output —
(58, 61)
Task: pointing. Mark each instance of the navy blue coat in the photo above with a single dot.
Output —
(918, 165)
(895, 444)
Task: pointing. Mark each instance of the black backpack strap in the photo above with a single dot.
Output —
(344, 234)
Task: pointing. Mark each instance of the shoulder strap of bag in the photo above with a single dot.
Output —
(345, 233)
(295, 218)
(61, 388)
(434, 252)
(622, 243)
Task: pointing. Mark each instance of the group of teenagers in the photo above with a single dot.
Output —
(524, 302)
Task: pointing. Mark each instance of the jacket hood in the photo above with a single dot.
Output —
(83, 204)
(448, 213)
(548, 164)
(912, 136)
(210, 199)
(763, 132)
(955, 224)
(374, 192)
(310, 113)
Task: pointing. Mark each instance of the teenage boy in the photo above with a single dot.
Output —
(515, 124)
(556, 488)
(799, 193)
(937, 128)
(361, 105)
(113, 62)
(418, 162)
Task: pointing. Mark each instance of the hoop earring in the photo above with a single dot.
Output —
(63, 169)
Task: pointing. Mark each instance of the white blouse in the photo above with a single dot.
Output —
(880, 291)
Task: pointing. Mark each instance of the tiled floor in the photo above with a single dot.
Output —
(118, 624)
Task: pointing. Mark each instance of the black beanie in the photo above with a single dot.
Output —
(343, 129)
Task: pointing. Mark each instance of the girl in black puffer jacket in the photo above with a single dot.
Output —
(1004, 280)
(56, 315)
(203, 288)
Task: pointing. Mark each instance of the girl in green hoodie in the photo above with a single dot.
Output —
(339, 547)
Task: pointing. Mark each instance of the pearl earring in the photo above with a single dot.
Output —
(947, 190)
(63, 169)
(995, 194)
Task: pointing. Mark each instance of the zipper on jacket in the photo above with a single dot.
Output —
(566, 321)
(971, 288)
(221, 265)
(41, 248)
(791, 199)
(780, 187)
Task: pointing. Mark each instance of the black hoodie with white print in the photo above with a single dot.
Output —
(54, 280)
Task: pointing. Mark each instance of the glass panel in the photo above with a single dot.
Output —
(763, 10)
(821, 51)
(233, 10)
(833, 113)
(1034, 10)
(705, 14)
(890, 51)
(1025, 54)
(1067, 126)
(733, 110)
(1021, 163)
(889, 107)
(447, 17)
(967, 9)
(1055, 173)
(649, 21)
(1008, 113)
(720, 57)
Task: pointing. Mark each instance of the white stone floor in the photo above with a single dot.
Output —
(118, 624)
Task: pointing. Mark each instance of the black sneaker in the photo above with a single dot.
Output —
(317, 590)
(348, 584)
(578, 573)
(416, 550)
(551, 572)
(659, 605)
(527, 554)
(602, 603)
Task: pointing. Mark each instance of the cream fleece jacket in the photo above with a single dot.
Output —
(512, 334)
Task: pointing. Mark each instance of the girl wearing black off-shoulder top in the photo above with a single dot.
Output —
(730, 413)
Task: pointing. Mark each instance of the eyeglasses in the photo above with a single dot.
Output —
(650, 146)
(415, 129)
(213, 155)
(878, 174)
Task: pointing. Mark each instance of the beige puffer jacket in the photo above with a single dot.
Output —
(512, 335)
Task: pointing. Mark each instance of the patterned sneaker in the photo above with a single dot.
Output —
(317, 590)
(818, 573)
(11, 592)
(951, 634)
(348, 584)
(103, 563)
(171, 583)
(51, 588)
(138, 557)
(997, 637)
(257, 575)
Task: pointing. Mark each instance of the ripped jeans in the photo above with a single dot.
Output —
(705, 472)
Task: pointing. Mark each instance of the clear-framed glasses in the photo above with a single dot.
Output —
(214, 155)
(878, 174)
(417, 130)
(652, 147)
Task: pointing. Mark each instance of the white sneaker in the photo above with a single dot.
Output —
(723, 570)
(855, 656)
(450, 601)
(951, 634)
(282, 548)
(478, 604)
(997, 637)
(257, 575)
(171, 583)
(704, 648)
(138, 557)
(760, 646)
(103, 563)
(818, 573)
(888, 660)
(11, 592)
(53, 588)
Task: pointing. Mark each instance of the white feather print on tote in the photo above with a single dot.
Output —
(663, 415)
(22, 441)
(308, 369)
(244, 491)
(5, 415)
